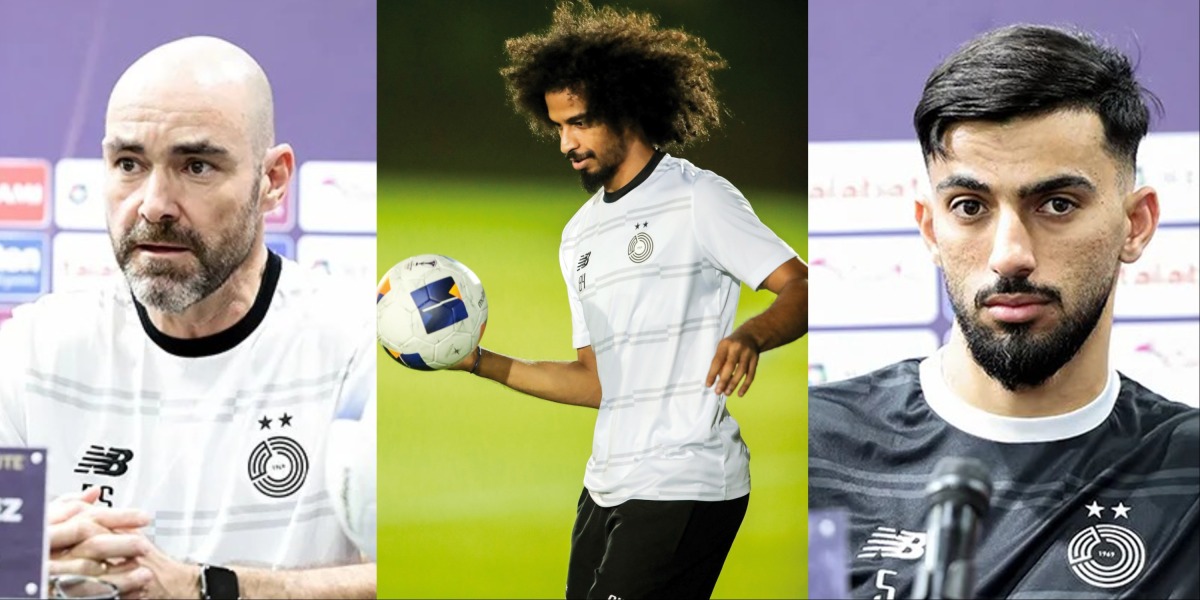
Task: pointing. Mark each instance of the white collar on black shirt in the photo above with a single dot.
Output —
(1012, 430)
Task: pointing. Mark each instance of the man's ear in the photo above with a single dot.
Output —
(1141, 209)
(923, 213)
(279, 166)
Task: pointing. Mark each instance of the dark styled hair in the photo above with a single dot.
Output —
(1031, 70)
(630, 73)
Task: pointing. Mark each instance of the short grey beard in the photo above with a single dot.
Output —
(171, 297)
(168, 293)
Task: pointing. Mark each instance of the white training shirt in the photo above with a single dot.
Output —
(220, 439)
(653, 280)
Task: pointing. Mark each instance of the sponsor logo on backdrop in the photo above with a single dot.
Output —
(79, 194)
(24, 192)
(864, 186)
(1167, 161)
(1165, 281)
(350, 256)
(338, 197)
(23, 266)
(1163, 356)
(846, 354)
(82, 261)
(857, 272)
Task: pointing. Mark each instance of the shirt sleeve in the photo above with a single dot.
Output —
(14, 353)
(580, 337)
(732, 236)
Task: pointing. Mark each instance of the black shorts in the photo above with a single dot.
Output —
(651, 548)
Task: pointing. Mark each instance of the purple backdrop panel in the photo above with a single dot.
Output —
(867, 61)
(59, 60)
(22, 522)
(828, 554)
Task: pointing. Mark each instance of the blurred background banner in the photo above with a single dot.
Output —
(477, 483)
(866, 72)
(58, 62)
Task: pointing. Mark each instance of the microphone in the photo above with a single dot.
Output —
(957, 495)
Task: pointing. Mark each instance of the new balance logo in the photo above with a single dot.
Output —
(583, 261)
(886, 542)
(113, 462)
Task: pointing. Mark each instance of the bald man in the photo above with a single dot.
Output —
(186, 407)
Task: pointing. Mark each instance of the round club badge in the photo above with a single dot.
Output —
(278, 466)
(1106, 556)
(640, 247)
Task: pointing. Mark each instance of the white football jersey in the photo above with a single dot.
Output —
(653, 280)
(220, 439)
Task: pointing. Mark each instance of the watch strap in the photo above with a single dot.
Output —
(218, 583)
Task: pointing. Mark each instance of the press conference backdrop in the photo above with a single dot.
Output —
(878, 296)
(58, 62)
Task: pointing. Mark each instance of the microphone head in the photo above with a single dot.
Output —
(960, 479)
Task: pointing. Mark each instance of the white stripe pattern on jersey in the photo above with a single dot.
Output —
(154, 403)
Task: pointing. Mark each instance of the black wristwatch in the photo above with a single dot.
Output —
(218, 583)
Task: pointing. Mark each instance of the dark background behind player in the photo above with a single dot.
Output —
(439, 63)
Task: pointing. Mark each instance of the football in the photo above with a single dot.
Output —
(430, 312)
(350, 469)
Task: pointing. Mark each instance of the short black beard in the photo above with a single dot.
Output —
(592, 182)
(1016, 358)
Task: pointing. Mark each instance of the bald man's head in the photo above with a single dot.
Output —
(191, 170)
(201, 73)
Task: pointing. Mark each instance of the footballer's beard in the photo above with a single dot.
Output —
(1015, 356)
(171, 287)
(605, 170)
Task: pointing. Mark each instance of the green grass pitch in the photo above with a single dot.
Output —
(477, 483)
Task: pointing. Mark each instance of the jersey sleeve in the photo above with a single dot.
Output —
(732, 236)
(580, 337)
(14, 348)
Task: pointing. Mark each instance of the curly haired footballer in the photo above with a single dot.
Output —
(632, 74)
(656, 242)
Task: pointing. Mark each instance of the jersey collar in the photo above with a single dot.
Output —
(1012, 430)
(224, 340)
(642, 175)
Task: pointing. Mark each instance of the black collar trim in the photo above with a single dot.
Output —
(642, 175)
(224, 340)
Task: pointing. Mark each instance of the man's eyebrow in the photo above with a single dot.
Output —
(571, 120)
(116, 145)
(963, 181)
(203, 148)
(1059, 182)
